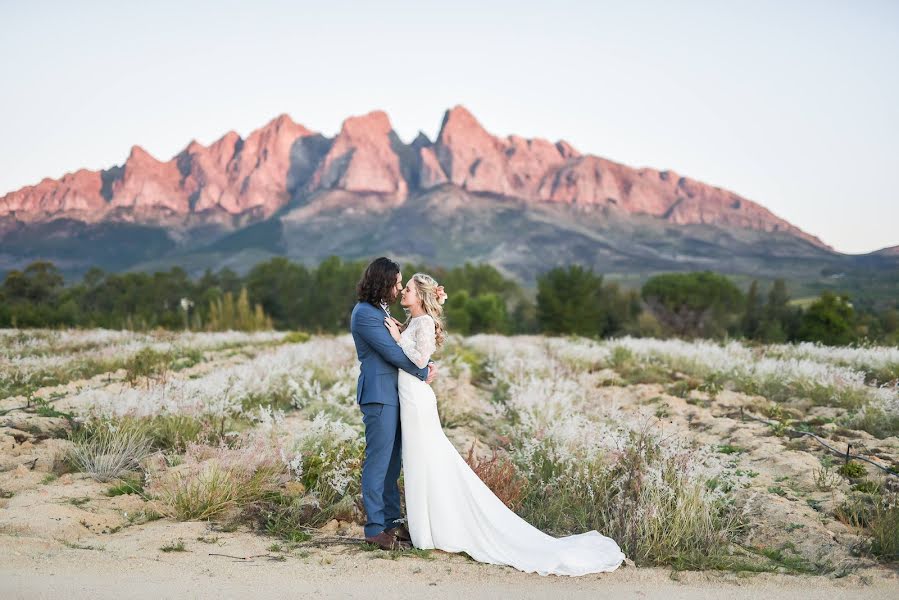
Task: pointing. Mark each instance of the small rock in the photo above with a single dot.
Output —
(294, 488)
(330, 527)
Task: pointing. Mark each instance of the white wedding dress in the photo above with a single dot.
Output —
(448, 507)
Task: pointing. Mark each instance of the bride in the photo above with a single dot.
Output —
(448, 507)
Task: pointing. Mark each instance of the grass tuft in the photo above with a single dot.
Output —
(107, 450)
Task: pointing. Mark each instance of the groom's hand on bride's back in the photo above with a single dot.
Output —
(432, 372)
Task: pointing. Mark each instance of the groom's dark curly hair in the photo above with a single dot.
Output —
(377, 281)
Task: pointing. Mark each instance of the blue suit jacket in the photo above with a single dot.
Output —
(380, 355)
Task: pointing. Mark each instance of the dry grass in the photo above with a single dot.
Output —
(501, 476)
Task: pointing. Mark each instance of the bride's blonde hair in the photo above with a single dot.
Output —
(426, 287)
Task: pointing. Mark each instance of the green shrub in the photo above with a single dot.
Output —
(127, 486)
(852, 470)
(867, 486)
(296, 337)
(146, 363)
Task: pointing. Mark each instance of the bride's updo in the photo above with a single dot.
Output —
(432, 297)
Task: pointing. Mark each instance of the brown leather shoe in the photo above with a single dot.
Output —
(386, 541)
(399, 532)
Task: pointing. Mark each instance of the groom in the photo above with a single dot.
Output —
(378, 399)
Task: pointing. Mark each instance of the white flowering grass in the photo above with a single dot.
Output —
(331, 454)
(651, 497)
(587, 465)
(227, 474)
(664, 502)
(830, 376)
(245, 476)
(880, 363)
(269, 378)
(30, 359)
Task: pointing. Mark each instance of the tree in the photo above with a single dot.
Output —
(283, 289)
(226, 312)
(569, 301)
(829, 320)
(621, 310)
(467, 314)
(488, 313)
(752, 317)
(890, 321)
(39, 283)
(33, 296)
(694, 304)
(524, 317)
(780, 321)
(296, 296)
(244, 319)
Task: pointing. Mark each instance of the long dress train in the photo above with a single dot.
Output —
(448, 507)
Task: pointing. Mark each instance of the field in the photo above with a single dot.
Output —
(190, 458)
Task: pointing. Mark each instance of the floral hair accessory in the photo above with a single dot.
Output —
(441, 295)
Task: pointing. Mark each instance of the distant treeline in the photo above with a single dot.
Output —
(570, 300)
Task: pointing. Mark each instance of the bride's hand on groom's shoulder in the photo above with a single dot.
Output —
(393, 327)
(432, 372)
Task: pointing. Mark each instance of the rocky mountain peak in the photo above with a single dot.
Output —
(362, 158)
(281, 161)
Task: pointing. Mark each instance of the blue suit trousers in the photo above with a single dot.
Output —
(381, 469)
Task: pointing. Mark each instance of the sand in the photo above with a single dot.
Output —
(131, 565)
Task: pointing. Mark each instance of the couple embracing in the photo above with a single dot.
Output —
(448, 507)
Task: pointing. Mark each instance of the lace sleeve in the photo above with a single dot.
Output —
(421, 341)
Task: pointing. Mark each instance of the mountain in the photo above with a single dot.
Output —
(891, 251)
(253, 178)
(523, 205)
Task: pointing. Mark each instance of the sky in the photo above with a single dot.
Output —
(790, 104)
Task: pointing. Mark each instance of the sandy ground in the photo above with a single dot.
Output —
(64, 537)
(131, 565)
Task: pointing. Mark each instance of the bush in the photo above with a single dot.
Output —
(829, 320)
(219, 481)
(876, 421)
(176, 431)
(296, 337)
(146, 363)
(644, 498)
(852, 470)
(884, 527)
(332, 460)
(213, 491)
(326, 466)
(873, 508)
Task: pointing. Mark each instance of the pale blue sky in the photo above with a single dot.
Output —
(791, 104)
